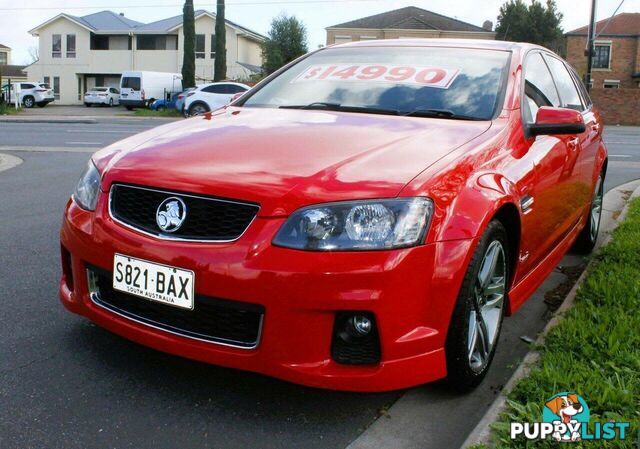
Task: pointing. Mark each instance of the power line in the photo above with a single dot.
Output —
(179, 5)
(608, 21)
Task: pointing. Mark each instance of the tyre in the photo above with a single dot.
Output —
(197, 109)
(28, 102)
(110, 102)
(588, 237)
(129, 108)
(88, 105)
(476, 322)
(42, 104)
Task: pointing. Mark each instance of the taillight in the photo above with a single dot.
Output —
(180, 97)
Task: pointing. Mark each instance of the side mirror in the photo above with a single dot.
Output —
(556, 121)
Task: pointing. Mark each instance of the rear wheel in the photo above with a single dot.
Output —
(476, 322)
(197, 109)
(587, 239)
(110, 102)
(28, 102)
(129, 108)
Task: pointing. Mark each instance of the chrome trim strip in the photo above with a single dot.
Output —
(179, 239)
(95, 298)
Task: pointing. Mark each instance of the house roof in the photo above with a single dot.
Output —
(15, 71)
(411, 18)
(623, 24)
(110, 22)
(4, 46)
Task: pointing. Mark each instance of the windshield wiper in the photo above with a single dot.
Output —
(320, 105)
(438, 113)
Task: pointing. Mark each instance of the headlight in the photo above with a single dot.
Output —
(86, 193)
(357, 225)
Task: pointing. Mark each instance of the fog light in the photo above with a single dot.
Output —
(361, 324)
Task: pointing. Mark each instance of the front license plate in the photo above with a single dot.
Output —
(153, 281)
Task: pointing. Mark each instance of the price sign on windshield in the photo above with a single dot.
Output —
(427, 76)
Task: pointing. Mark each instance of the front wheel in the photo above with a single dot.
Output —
(476, 322)
(28, 102)
(587, 239)
(110, 102)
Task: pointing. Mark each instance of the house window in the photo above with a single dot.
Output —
(602, 56)
(71, 45)
(56, 46)
(156, 42)
(56, 87)
(99, 42)
(368, 38)
(3, 58)
(47, 81)
(213, 46)
(343, 39)
(199, 46)
(611, 84)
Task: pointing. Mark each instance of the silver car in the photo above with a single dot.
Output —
(102, 96)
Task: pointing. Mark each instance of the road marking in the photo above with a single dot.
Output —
(93, 131)
(84, 143)
(50, 149)
(620, 155)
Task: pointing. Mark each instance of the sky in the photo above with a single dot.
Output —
(17, 18)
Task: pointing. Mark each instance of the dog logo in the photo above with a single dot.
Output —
(570, 410)
(171, 214)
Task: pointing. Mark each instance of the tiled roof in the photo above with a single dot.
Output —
(3, 46)
(411, 18)
(623, 24)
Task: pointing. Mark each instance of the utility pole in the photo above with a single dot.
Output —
(590, 46)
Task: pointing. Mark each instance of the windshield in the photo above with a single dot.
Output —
(131, 82)
(447, 82)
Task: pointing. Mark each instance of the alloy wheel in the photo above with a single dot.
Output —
(488, 303)
(596, 210)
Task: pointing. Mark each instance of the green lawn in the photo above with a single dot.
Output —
(594, 351)
(150, 113)
(8, 109)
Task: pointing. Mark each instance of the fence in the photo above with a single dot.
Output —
(618, 106)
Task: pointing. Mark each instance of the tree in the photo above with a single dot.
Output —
(34, 54)
(286, 40)
(189, 55)
(220, 66)
(536, 23)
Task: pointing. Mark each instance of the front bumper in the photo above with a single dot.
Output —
(411, 293)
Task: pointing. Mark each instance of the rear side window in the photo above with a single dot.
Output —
(27, 86)
(539, 89)
(131, 83)
(233, 89)
(216, 89)
(569, 96)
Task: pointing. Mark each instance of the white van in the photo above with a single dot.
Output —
(139, 89)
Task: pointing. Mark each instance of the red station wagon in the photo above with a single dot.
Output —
(363, 219)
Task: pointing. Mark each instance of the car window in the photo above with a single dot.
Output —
(581, 88)
(455, 81)
(44, 86)
(539, 89)
(216, 89)
(233, 89)
(569, 96)
(26, 86)
(131, 82)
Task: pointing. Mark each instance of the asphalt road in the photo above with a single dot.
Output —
(69, 384)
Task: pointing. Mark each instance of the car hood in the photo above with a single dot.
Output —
(285, 159)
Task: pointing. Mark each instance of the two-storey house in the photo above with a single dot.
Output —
(78, 53)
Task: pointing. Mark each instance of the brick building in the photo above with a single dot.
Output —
(616, 63)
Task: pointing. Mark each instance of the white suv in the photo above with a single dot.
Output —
(32, 94)
(209, 97)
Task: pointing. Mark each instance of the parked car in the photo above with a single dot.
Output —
(209, 97)
(102, 96)
(362, 221)
(33, 94)
(140, 89)
(182, 96)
